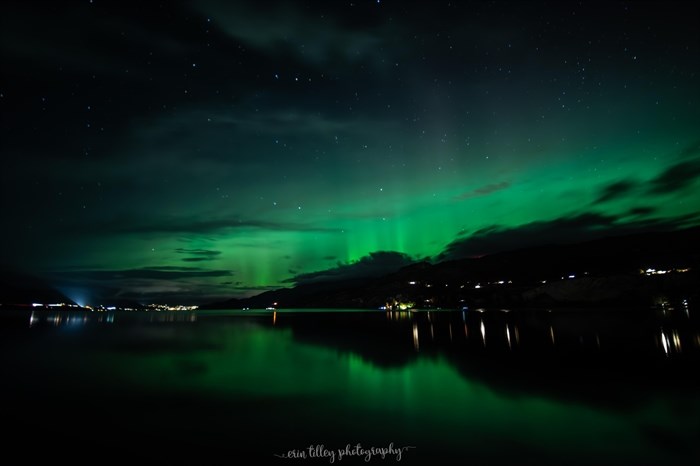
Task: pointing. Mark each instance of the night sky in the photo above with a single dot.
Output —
(189, 152)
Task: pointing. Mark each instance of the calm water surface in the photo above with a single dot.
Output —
(475, 387)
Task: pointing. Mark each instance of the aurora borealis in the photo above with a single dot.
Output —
(201, 150)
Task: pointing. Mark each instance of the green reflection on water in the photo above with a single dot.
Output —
(339, 397)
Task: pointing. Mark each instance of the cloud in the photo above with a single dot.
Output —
(196, 224)
(374, 265)
(672, 179)
(198, 252)
(676, 177)
(642, 211)
(293, 121)
(286, 30)
(483, 191)
(691, 150)
(200, 255)
(204, 129)
(147, 284)
(615, 190)
(563, 230)
(149, 273)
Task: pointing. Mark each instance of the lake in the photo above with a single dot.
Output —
(480, 386)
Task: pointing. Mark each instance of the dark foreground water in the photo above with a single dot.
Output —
(230, 387)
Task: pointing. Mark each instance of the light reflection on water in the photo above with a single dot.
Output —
(583, 328)
(576, 386)
(73, 318)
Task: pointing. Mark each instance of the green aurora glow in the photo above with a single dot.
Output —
(225, 150)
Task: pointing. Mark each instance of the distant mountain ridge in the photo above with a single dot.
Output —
(607, 271)
(21, 290)
(589, 272)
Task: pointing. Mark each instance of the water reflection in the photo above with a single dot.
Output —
(670, 343)
(173, 317)
(582, 331)
(68, 318)
(81, 318)
(552, 352)
(571, 331)
(558, 387)
(399, 315)
(665, 329)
